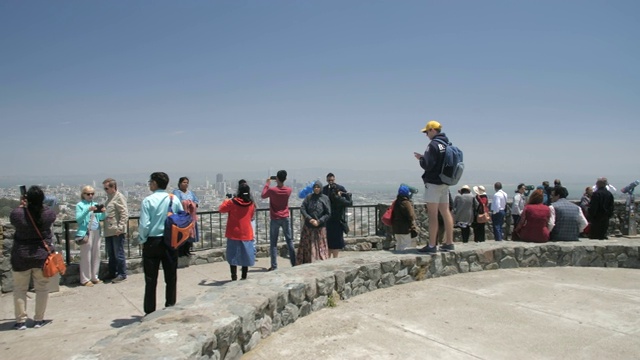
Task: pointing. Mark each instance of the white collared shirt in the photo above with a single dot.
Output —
(499, 201)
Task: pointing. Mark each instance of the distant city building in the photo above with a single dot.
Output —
(219, 178)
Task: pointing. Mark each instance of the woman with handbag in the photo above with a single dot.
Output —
(32, 240)
(88, 236)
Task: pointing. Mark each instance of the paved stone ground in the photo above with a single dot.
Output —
(550, 313)
(533, 313)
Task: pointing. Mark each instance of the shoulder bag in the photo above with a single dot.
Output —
(54, 263)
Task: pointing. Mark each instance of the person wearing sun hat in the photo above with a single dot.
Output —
(436, 192)
(463, 211)
(480, 206)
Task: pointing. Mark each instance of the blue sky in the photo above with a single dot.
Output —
(529, 90)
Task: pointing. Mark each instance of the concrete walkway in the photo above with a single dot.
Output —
(551, 313)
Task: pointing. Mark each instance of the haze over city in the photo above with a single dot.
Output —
(530, 91)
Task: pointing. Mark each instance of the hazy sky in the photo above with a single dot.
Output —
(531, 89)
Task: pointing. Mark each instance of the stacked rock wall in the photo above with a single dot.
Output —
(231, 320)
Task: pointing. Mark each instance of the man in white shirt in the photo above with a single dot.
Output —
(498, 204)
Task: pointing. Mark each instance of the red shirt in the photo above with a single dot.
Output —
(239, 221)
(278, 201)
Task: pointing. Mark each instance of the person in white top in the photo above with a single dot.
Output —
(498, 204)
(517, 206)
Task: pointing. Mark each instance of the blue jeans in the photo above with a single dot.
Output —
(498, 220)
(115, 253)
(274, 232)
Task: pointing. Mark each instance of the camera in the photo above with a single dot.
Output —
(529, 187)
(99, 208)
(273, 177)
(229, 195)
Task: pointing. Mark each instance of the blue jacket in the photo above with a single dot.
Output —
(432, 160)
(83, 215)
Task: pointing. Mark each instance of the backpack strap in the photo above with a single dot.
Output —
(443, 142)
(170, 209)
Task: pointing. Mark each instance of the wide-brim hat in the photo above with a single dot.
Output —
(465, 187)
(479, 189)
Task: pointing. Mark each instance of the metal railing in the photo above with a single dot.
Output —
(362, 220)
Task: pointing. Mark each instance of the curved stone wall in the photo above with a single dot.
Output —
(230, 320)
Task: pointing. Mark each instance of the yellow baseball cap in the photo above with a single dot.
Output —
(432, 125)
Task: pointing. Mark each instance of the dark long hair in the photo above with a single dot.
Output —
(35, 203)
(244, 192)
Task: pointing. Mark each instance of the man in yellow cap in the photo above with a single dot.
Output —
(436, 192)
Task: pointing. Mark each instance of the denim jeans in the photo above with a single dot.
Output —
(498, 220)
(274, 232)
(115, 252)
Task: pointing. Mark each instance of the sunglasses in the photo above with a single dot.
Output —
(89, 194)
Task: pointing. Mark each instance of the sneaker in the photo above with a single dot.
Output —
(446, 247)
(39, 324)
(429, 250)
(96, 281)
(20, 326)
(88, 283)
(118, 279)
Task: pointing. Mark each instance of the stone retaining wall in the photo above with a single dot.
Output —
(231, 320)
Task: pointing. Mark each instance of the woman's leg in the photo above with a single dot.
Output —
(20, 288)
(41, 284)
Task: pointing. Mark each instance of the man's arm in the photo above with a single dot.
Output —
(265, 189)
(552, 218)
(582, 221)
(121, 208)
(145, 222)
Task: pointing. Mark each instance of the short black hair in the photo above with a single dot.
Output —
(281, 175)
(330, 175)
(561, 191)
(161, 179)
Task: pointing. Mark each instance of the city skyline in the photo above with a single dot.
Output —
(530, 91)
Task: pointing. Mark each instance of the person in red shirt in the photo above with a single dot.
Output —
(279, 211)
(239, 232)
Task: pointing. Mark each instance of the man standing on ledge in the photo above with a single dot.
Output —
(600, 210)
(498, 206)
(115, 226)
(279, 211)
(153, 213)
(436, 193)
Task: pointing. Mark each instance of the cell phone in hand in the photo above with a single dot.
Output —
(273, 177)
(23, 190)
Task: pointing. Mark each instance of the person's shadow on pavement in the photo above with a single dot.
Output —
(118, 323)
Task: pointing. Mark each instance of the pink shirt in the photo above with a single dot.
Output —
(278, 201)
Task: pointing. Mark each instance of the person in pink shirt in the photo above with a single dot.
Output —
(280, 218)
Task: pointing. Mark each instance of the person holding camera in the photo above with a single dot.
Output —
(517, 206)
(239, 232)
(280, 217)
(88, 216)
(32, 221)
(116, 218)
(337, 225)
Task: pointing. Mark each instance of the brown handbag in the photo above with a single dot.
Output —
(54, 263)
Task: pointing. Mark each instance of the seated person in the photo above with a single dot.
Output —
(535, 220)
(568, 219)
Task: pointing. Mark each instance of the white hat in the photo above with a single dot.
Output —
(479, 190)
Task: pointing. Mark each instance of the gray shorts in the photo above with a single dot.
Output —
(436, 194)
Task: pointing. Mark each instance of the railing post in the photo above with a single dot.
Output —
(67, 246)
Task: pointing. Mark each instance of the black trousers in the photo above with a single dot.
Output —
(155, 252)
(599, 228)
(478, 232)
